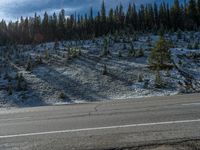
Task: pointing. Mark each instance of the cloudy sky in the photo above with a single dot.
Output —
(13, 9)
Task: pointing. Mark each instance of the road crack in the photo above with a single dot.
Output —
(95, 110)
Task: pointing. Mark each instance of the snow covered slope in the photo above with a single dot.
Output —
(52, 77)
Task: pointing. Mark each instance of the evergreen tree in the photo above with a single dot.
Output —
(141, 15)
(121, 17)
(45, 26)
(160, 54)
(111, 21)
(105, 72)
(134, 18)
(103, 12)
(37, 36)
(147, 17)
(192, 14)
(176, 17)
(103, 30)
(91, 28)
(156, 17)
(106, 51)
(10, 90)
(61, 25)
(129, 14)
(54, 26)
(98, 25)
(198, 8)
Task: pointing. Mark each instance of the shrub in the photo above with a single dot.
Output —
(189, 46)
(21, 83)
(119, 54)
(39, 60)
(62, 95)
(132, 51)
(73, 53)
(29, 65)
(46, 55)
(179, 34)
(6, 76)
(140, 78)
(124, 47)
(10, 90)
(105, 70)
(168, 74)
(105, 51)
(17, 62)
(196, 45)
(56, 45)
(140, 53)
(146, 83)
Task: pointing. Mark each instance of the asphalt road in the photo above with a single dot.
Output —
(103, 125)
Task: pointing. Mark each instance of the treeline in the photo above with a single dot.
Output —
(150, 18)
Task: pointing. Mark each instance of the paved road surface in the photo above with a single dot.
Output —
(103, 125)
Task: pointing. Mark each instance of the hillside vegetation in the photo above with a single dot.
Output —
(110, 67)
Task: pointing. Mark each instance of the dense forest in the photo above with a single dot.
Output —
(147, 18)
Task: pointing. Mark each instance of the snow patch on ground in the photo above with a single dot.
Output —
(81, 79)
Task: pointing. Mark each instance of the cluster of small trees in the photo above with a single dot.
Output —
(150, 17)
(18, 83)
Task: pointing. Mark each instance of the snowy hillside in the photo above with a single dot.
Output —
(78, 71)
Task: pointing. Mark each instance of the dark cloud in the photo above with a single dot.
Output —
(13, 9)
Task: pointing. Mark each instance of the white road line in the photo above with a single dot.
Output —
(99, 128)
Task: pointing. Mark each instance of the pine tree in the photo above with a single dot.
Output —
(103, 19)
(192, 14)
(45, 26)
(151, 17)
(198, 8)
(62, 95)
(37, 29)
(91, 28)
(54, 26)
(61, 25)
(121, 16)
(111, 21)
(10, 90)
(37, 37)
(141, 15)
(134, 18)
(29, 65)
(176, 17)
(98, 25)
(105, 72)
(160, 54)
(103, 12)
(26, 36)
(156, 17)
(129, 14)
(140, 77)
(132, 52)
(106, 51)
